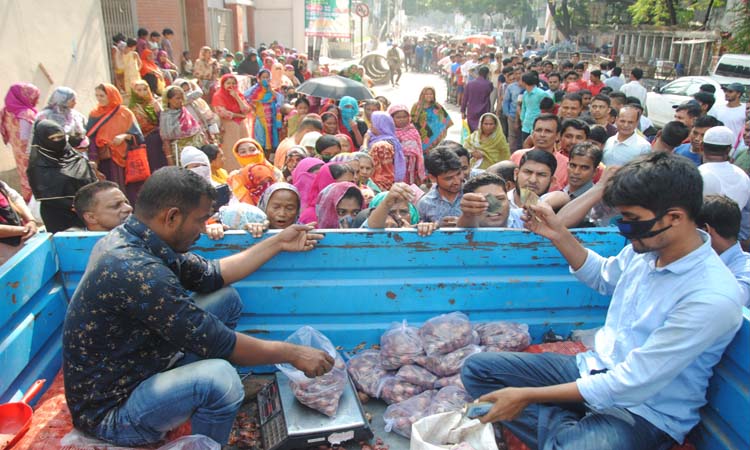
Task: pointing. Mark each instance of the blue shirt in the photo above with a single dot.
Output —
(684, 150)
(738, 262)
(530, 108)
(510, 99)
(665, 330)
(432, 206)
(130, 317)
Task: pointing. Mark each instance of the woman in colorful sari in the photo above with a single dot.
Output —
(56, 172)
(167, 67)
(338, 204)
(487, 143)
(16, 126)
(303, 176)
(232, 109)
(151, 73)
(199, 108)
(411, 143)
(350, 124)
(431, 119)
(177, 126)
(60, 109)
(112, 128)
(389, 163)
(206, 71)
(147, 110)
(249, 183)
(266, 106)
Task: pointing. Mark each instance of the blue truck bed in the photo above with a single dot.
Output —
(352, 287)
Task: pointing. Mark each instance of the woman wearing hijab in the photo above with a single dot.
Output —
(248, 152)
(322, 179)
(289, 74)
(147, 110)
(411, 143)
(151, 73)
(206, 70)
(195, 160)
(56, 172)
(232, 109)
(487, 143)
(431, 119)
(266, 104)
(389, 164)
(355, 128)
(338, 204)
(16, 126)
(132, 65)
(167, 67)
(199, 109)
(303, 177)
(293, 158)
(112, 128)
(60, 109)
(178, 128)
(281, 203)
(249, 183)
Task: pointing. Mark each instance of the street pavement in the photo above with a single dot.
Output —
(407, 93)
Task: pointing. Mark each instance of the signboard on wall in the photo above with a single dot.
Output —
(327, 18)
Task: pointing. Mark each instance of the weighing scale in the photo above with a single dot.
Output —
(287, 424)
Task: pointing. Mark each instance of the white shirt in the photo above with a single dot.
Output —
(727, 179)
(733, 118)
(635, 89)
(617, 153)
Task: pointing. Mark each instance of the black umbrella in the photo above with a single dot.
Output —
(334, 87)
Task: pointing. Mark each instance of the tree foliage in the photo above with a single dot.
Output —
(671, 12)
(570, 16)
(519, 10)
(740, 40)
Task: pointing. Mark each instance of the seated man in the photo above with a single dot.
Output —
(127, 380)
(642, 385)
(441, 203)
(720, 218)
(101, 206)
(478, 212)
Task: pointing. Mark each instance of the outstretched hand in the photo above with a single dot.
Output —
(542, 220)
(298, 238)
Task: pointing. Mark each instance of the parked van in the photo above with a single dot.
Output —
(733, 68)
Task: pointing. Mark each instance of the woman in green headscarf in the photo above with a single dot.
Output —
(147, 109)
(487, 143)
(395, 209)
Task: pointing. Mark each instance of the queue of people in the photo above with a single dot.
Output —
(544, 152)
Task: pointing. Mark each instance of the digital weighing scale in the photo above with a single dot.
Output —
(287, 424)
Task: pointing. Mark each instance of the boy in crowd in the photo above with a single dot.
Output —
(475, 204)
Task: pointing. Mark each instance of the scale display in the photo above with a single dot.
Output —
(286, 424)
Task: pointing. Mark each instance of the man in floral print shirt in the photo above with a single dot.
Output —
(141, 353)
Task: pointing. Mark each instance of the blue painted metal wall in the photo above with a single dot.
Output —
(32, 310)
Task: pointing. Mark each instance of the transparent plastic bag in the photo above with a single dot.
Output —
(366, 371)
(392, 390)
(453, 380)
(449, 398)
(449, 364)
(414, 374)
(79, 440)
(503, 336)
(445, 333)
(324, 392)
(400, 416)
(399, 346)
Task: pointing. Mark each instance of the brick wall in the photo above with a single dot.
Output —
(196, 17)
(155, 15)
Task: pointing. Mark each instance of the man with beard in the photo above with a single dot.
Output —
(476, 210)
(535, 172)
(545, 134)
(674, 309)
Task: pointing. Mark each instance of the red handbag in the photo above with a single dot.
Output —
(136, 165)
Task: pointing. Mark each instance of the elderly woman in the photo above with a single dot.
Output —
(199, 108)
(60, 109)
(232, 108)
(56, 172)
(16, 125)
(389, 164)
(206, 70)
(112, 129)
(177, 126)
(411, 142)
(487, 143)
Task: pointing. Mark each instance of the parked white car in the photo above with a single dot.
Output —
(660, 102)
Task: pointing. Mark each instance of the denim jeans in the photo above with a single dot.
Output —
(558, 426)
(206, 391)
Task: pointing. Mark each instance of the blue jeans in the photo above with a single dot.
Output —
(206, 391)
(558, 426)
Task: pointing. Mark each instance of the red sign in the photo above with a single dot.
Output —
(362, 10)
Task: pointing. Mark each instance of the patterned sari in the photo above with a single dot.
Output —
(431, 120)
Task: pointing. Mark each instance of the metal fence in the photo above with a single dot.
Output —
(119, 17)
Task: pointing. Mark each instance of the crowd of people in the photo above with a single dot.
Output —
(544, 146)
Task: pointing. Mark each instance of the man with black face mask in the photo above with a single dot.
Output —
(674, 309)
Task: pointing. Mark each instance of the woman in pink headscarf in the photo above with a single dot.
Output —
(278, 79)
(16, 125)
(303, 176)
(338, 204)
(411, 143)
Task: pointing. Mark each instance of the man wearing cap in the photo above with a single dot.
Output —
(687, 112)
(719, 175)
(733, 113)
